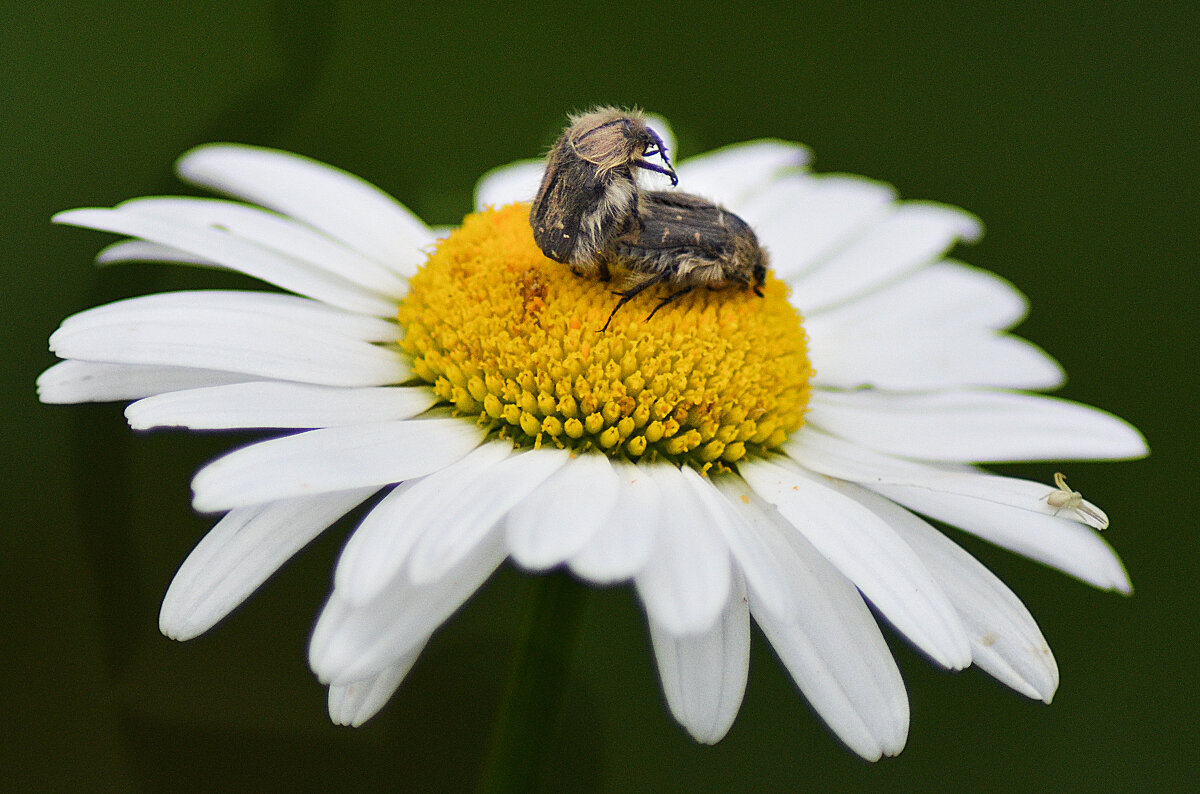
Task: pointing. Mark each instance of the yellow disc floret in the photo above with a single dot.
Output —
(507, 335)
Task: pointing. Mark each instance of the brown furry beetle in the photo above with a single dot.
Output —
(589, 194)
(687, 242)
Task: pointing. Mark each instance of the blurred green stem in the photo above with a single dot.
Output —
(529, 710)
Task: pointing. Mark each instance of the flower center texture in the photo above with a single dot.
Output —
(506, 335)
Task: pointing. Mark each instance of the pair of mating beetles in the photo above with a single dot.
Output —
(589, 213)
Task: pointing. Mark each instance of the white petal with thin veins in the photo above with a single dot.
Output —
(240, 552)
(1005, 641)
(197, 333)
(685, 582)
(930, 359)
(704, 675)
(354, 703)
(1009, 512)
(275, 233)
(974, 426)
(235, 253)
(272, 404)
(870, 553)
(74, 381)
(830, 643)
(331, 459)
(338, 203)
(559, 517)
(749, 551)
(241, 304)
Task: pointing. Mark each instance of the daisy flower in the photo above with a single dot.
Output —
(734, 457)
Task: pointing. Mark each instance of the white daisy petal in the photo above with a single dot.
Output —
(354, 703)
(479, 509)
(685, 582)
(830, 643)
(730, 175)
(332, 459)
(1011, 513)
(864, 548)
(947, 295)
(339, 204)
(622, 545)
(517, 181)
(91, 381)
(974, 426)
(352, 642)
(752, 555)
(816, 216)
(559, 517)
(144, 251)
(930, 359)
(235, 253)
(380, 546)
(911, 236)
(704, 675)
(1005, 640)
(240, 552)
(277, 405)
(254, 304)
(275, 233)
(195, 332)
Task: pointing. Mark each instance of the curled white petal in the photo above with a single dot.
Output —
(144, 251)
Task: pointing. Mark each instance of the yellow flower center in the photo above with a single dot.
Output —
(507, 335)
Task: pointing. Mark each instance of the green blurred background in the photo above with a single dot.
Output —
(1070, 130)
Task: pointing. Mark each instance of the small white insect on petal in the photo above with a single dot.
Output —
(1066, 499)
